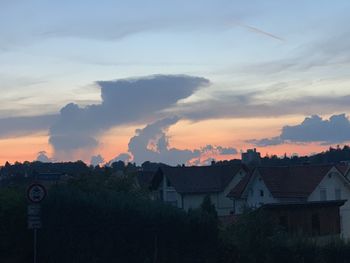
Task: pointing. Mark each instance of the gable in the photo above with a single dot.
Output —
(250, 181)
(257, 193)
(293, 181)
(331, 182)
(240, 175)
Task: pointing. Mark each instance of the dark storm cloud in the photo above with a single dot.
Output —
(312, 129)
(123, 101)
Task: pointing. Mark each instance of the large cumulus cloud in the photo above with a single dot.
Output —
(137, 100)
(312, 129)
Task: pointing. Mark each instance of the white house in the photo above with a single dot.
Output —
(186, 187)
(306, 184)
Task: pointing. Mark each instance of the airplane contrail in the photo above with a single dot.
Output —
(259, 31)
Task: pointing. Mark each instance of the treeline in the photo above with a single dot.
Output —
(332, 155)
(30, 169)
(110, 219)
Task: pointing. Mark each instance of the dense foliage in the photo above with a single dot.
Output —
(104, 217)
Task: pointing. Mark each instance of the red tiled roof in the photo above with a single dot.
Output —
(293, 181)
(238, 190)
(200, 179)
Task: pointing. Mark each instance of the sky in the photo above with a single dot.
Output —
(172, 81)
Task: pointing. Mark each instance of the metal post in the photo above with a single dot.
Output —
(34, 248)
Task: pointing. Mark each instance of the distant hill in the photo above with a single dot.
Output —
(332, 155)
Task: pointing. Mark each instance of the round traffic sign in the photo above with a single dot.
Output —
(36, 193)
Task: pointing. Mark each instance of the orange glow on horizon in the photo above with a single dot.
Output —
(24, 148)
(183, 135)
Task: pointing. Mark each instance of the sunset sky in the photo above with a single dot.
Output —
(172, 81)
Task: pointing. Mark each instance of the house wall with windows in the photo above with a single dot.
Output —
(193, 201)
(257, 193)
(223, 204)
(168, 193)
(335, 187)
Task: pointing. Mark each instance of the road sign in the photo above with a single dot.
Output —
(36, 193)
(34, 222)
(34, 210)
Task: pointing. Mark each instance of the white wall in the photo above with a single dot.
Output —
(223, 204)
(193, 201)
(254, 198)
(334, 180)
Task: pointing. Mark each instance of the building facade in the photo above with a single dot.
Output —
(186, 187)
(304, 184)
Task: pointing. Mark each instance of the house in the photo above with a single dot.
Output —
(297, 186)
(186, 187)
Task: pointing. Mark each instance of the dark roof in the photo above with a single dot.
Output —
(293, 181)
(238, 190)
(304, 204)
(144, 178)
(343, 168)
(200, 179)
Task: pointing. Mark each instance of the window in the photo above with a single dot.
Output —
(323, 195)
(337, 193)
(261, 193)
(168, 184)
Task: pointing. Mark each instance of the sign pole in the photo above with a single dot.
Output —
(35, 194)
(35, 242)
